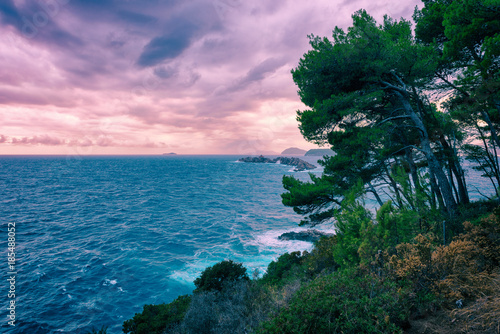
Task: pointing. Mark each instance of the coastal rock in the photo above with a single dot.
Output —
(259, 159)
(300, 165)
(308, 235)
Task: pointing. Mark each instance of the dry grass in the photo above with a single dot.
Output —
(484, 313)
(466, 270)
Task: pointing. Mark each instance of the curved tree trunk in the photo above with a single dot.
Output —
(433, 162)
(374, 192)
(456, 170)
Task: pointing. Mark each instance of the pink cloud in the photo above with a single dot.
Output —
(196, 76)
(38, 140)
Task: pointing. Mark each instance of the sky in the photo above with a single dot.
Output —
(86, 77)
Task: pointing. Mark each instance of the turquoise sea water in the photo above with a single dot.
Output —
(99, 237)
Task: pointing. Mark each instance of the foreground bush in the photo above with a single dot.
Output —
(213, 278)
(154, 319)
(462, 277)
(283, 269)
(230, 310)
(239, 307)
(320, 259)
(348, 301)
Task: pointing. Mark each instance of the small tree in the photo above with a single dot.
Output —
(155, 319)
(215, 277)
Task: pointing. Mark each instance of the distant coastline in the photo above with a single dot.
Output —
(294, 151)
(319, 152)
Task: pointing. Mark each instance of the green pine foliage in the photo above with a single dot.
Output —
(213, 278)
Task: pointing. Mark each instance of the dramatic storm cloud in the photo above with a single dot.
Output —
(154, 76)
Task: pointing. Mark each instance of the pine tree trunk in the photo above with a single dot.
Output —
(374, 192)
(433, 162)
(435, 191)
(456, 169)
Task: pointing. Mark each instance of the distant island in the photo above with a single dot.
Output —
(315, 152)
(300, 165)
(294, 151)
(171, 153)
(320, 152)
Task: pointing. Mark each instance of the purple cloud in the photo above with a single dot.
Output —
(204, 76)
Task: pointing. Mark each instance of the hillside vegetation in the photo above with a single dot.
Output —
(355, 282)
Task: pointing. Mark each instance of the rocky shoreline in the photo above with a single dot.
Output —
(308, 235)
(300, 165)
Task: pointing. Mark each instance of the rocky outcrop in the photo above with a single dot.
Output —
(300, 165)
(259, 159)
(307, 235)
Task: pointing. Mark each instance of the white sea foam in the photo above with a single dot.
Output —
(108, 282)
(189, 273)
(269, 248)
(39, 275)
(269, 242)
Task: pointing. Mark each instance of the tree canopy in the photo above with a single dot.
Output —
(368, 93)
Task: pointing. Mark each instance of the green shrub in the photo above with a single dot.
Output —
(214, 278)
(321, 257)
(231, 310)
(349, 225)
(278, 271)
(154, 319)
(393, 226)
(343, 302)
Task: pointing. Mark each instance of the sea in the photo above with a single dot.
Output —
(98, 237)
